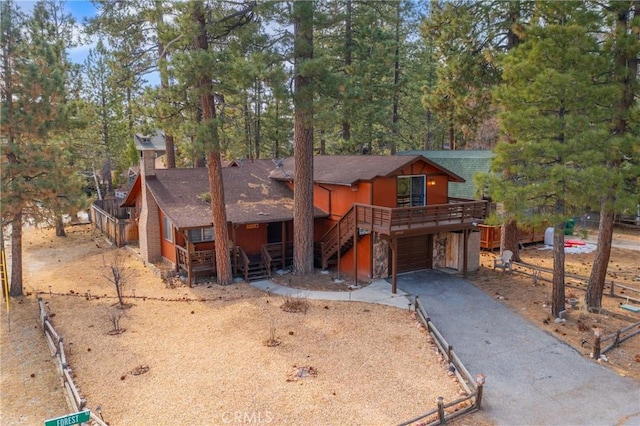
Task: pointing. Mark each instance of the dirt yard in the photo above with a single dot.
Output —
(208, 354)
(205, 353)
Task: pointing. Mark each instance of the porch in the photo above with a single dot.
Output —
(251, 267)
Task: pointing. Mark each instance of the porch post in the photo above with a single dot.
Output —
(283, 243)
(189, 265)
(465, 254)
(235, 245)
(394, 265)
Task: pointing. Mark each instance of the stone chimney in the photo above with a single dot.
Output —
(149, 231)
(147, 163)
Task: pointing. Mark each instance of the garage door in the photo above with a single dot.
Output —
(415, 253)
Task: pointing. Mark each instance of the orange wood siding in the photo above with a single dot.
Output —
(167, 249)
(364, 259)
(251, 239)
(385, 192)
(438, 192)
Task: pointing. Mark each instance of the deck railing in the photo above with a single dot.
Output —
(387, 220)
(195, 261)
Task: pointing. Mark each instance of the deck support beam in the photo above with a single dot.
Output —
(355, 251)
(394, 265)
(465, 252)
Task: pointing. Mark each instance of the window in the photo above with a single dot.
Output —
(167, 229)
(411, 191)
(200, 235)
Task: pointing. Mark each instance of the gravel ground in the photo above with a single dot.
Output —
(203, 351)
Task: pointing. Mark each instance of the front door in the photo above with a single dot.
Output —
(274, 232)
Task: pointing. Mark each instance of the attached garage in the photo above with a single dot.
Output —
(415, 253)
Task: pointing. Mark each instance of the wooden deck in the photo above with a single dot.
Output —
(457, 215)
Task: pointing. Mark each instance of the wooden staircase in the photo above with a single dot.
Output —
(251, 267)
(256, 269)
(339, 239)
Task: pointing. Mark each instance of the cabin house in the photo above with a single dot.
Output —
(374, 216)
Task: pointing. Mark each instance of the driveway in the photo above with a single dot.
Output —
(532, 378)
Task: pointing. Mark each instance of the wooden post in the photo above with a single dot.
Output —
(611, 288)
(441, 410)
(596, 344)
(394, 265)
(479, 386)
(355, 247)
(465, 254)
(235, 248)
(339, 249)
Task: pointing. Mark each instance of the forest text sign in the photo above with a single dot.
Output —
(69, 419)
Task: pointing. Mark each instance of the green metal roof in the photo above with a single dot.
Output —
(463, 163)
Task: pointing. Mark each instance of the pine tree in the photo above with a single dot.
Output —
(550, 114)
(36, 181)
(303, 138)
(615, 187)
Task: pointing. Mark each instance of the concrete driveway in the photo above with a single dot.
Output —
(532, 378)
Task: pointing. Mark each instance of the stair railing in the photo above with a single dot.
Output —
(336, 237)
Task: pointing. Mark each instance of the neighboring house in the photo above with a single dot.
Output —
(467, 164)
(375, 216)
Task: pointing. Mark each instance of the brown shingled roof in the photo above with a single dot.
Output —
(351, 169)
(250, 195)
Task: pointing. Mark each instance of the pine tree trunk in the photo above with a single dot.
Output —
(428, 135)
(348, 46)
(509, 239)
(170, 150)
(16, 255)
(396, 86)
(60, 227)
(258, 119)
(223, 261)
(214, 162)
(595, 288)
(303, 141)
(557, 299)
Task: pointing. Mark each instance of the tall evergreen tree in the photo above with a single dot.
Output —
(550, 113)
(35, 76)
(616, 185)
(303, 138)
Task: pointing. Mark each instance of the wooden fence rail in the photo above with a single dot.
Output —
(612, 285)
(56, 346)
(619, 336)
(472, 386)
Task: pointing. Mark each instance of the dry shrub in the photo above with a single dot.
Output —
(114, 315)
(295, 305)
(273, 340)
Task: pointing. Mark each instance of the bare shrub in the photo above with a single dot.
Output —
(295, 304)
(273, 338)
(114, 315)
(118, 275)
